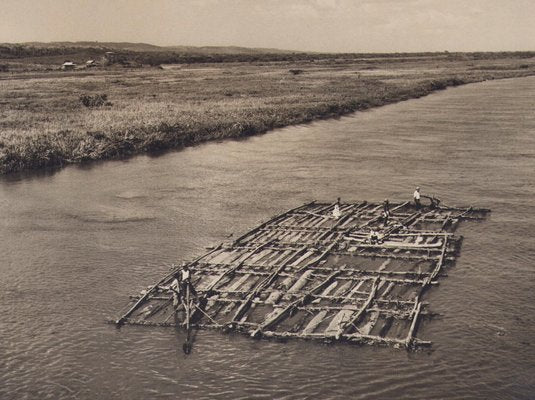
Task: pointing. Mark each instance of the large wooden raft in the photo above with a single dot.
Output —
(306, 274)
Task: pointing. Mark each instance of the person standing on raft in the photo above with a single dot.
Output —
(416, 196)
(185, 281)
(175, 288)
(336, 211)
(386, 212)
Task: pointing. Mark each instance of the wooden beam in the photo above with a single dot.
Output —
(271, 221)
(262, 286)
(275, 319)
(354, 319)
(409, 339)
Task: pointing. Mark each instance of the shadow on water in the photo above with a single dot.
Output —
(29, 175)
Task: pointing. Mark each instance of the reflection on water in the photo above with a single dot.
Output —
(77, 242)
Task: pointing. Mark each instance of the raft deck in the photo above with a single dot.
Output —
(306, 274)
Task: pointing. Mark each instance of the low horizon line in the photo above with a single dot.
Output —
(266, 48)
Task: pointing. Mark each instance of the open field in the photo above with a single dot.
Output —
(44, 123)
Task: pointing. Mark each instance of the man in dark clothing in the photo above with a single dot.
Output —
(386, 212)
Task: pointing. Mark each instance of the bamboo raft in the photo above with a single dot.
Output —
(307, 274)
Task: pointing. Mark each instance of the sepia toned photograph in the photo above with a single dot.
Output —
(267, 199)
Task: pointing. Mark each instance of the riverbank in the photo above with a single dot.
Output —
(55, 118)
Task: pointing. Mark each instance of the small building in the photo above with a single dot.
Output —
(68, 65)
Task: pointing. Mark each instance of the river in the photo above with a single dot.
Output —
(75, 243)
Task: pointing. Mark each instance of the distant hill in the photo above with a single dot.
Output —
(39, 55)
(118, 46)
(226, 50)
(145, 47)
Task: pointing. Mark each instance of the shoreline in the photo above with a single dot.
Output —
(69, 146)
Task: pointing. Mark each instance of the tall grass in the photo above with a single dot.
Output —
(43, 122)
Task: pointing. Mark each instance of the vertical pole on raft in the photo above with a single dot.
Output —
(187, 344)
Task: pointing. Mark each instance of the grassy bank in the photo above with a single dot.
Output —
(45, 121)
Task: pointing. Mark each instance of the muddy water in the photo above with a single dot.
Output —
(75, 243)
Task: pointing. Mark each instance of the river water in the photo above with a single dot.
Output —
(76, 242)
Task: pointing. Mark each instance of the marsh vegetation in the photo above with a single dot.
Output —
(52, 118)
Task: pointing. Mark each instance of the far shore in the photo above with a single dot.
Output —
(55, 118)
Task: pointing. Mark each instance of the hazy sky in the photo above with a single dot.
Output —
(319, 25)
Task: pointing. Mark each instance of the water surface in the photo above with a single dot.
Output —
(75, 243)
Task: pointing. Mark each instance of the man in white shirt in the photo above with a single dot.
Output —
(375, 237)
(416, 197)
(175, 287)
(336, 211)
(185, 280)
